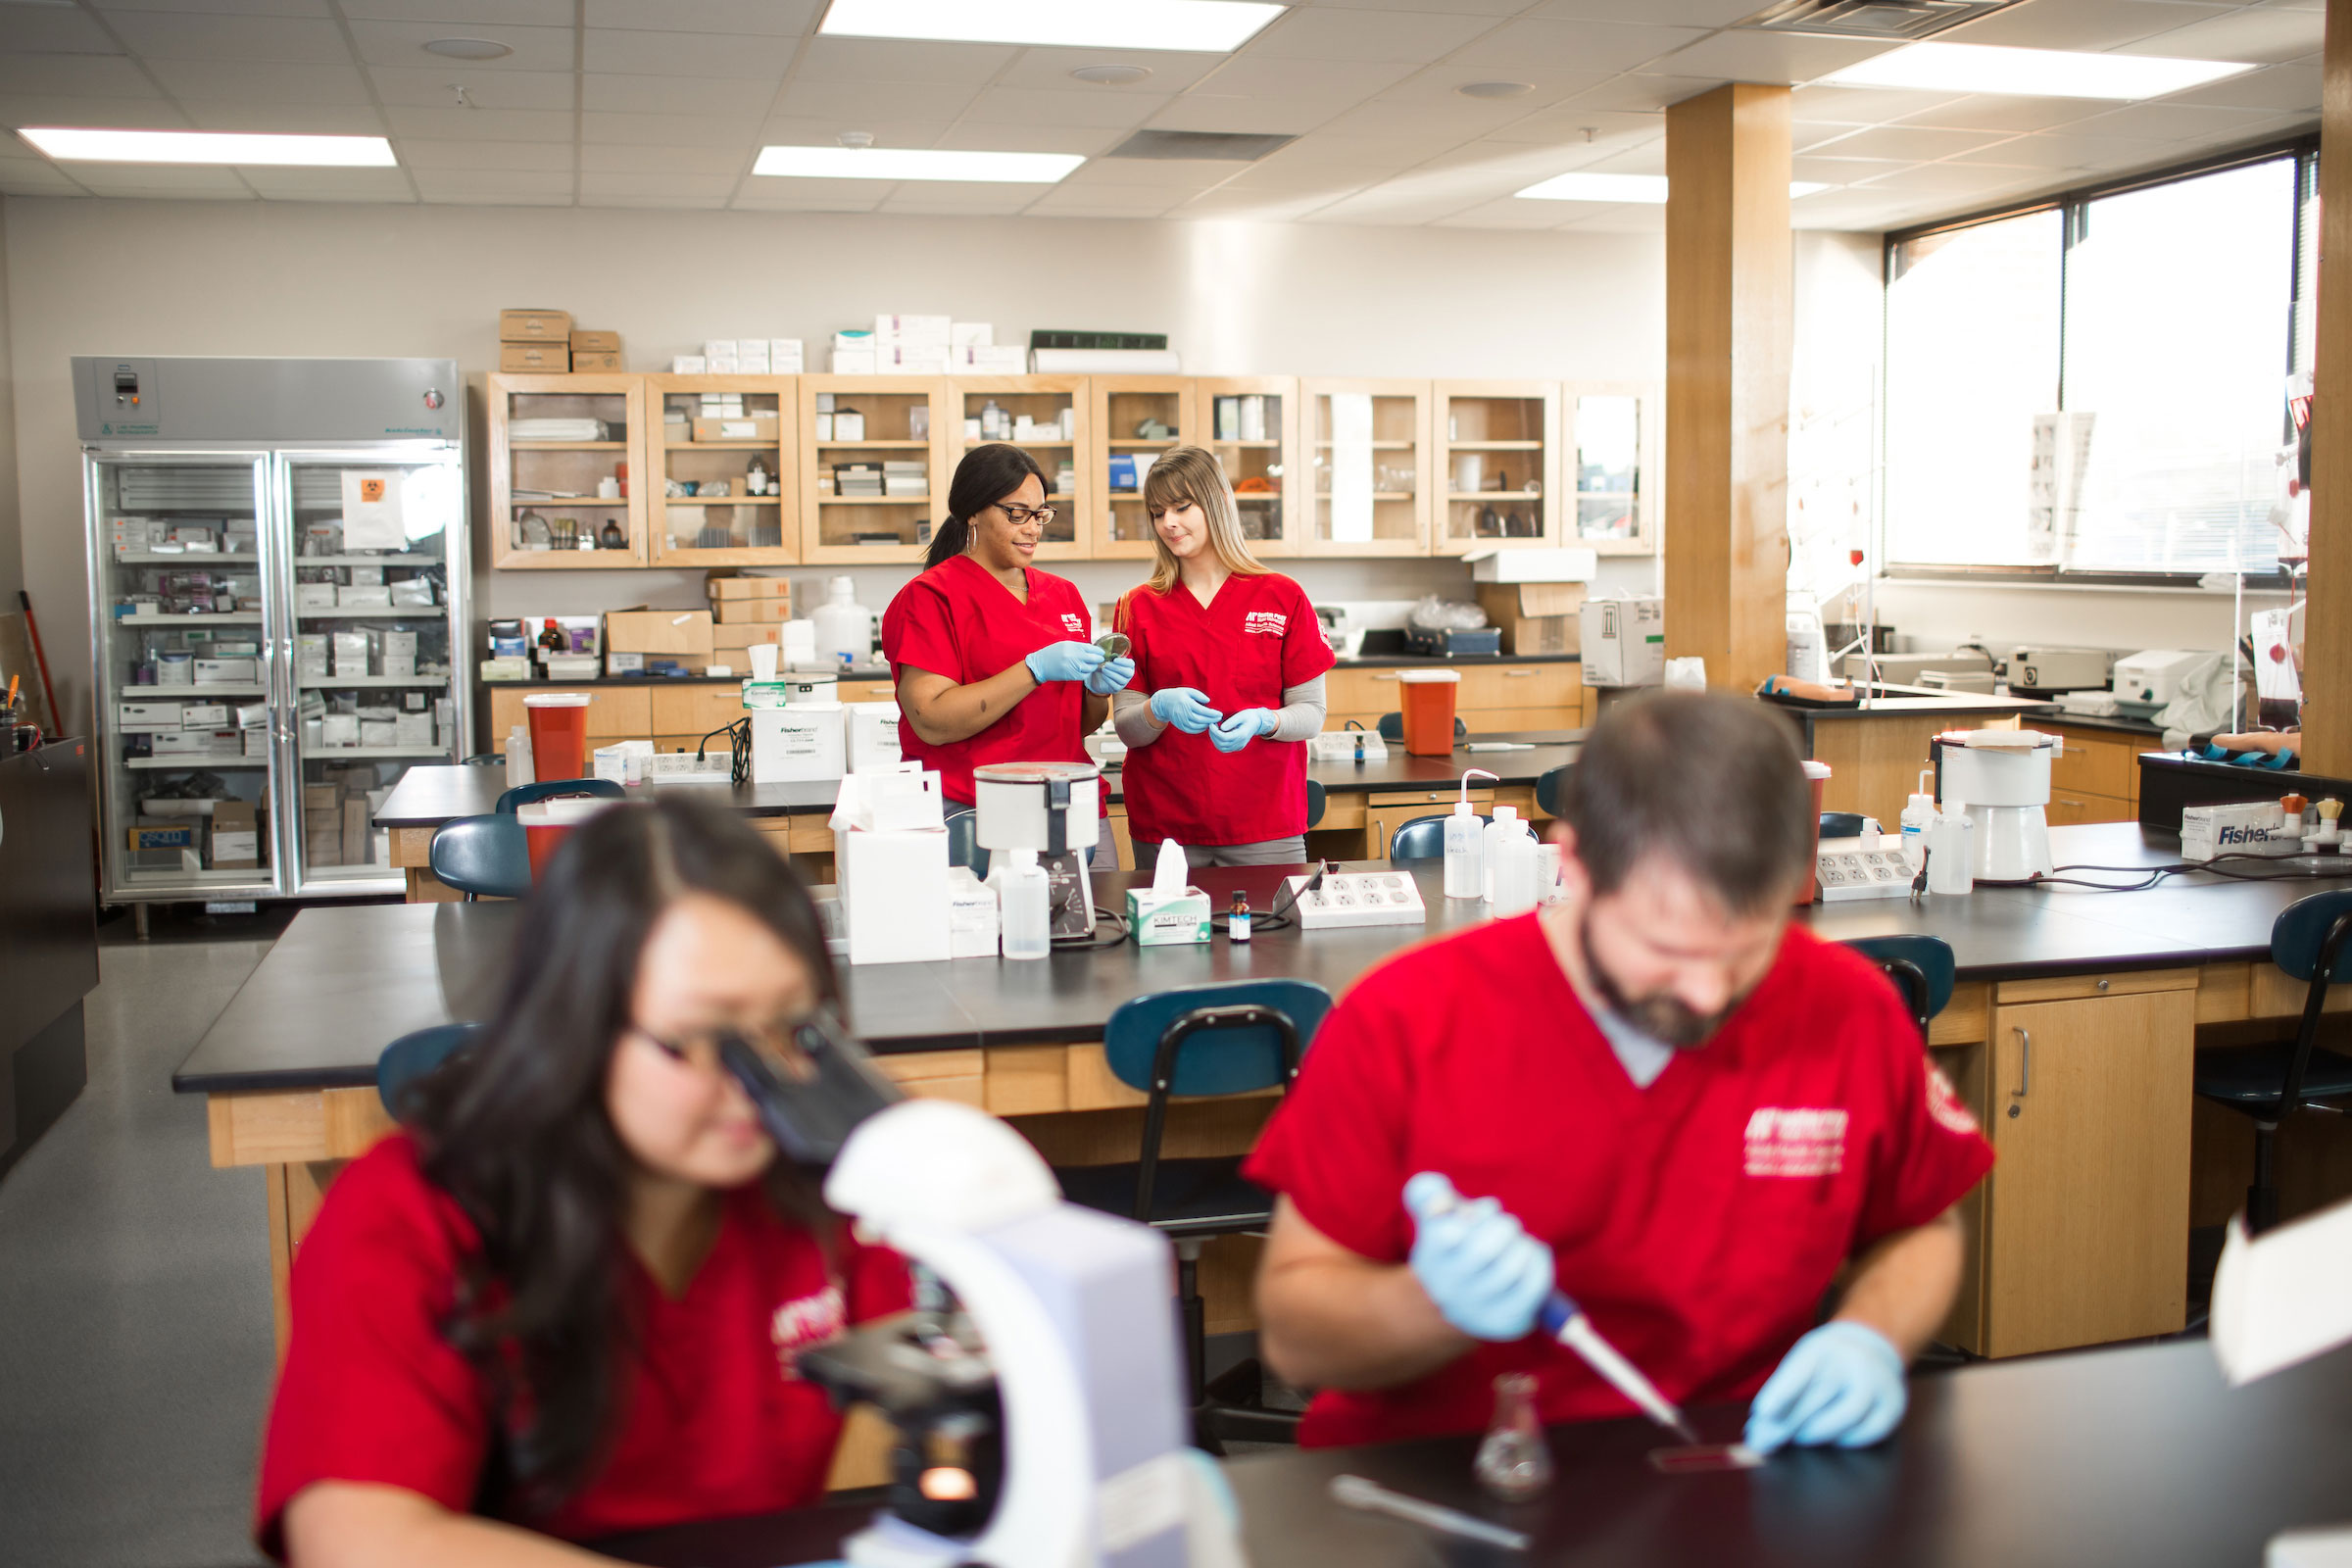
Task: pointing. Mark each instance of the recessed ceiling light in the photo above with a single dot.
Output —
(75, 144)
(1213, 26)
(1649, 189)
(915, 163)
(468, 48)
(1495, 89)
(1112, 76)
(2030, 72)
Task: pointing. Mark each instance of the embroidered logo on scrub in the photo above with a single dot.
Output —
(1267, 621)
(1072, 625)
(1944, 1107)
(801, 1325)
(1796, 1143)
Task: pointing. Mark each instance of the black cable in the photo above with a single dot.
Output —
(2304, 868)
(1094, 941)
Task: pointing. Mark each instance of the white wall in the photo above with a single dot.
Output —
(99, 276)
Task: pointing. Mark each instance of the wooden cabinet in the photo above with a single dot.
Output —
(1047, 417)
(739, 528)
(615, 712)
(1252, 424)
(1499, 465)
(852, 426)
(1611, 442)
(693, 710)
(1369, 469)
(2095, 775)
(543, 493)
(1492, 698)
(1122, 409)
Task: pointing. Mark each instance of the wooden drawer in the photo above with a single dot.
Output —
(2093, 765)
(2072, 807)
(615, 712)
(1553, 686)
(2076, 986)
(1361, 691)
(695, 710)
(869, 691)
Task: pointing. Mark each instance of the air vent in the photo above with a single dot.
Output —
(1874, 19)
(1222, 146)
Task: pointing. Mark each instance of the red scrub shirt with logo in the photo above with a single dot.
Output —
(715, 1418)
(1699, 1221)
(1253, 640)
(957, 619)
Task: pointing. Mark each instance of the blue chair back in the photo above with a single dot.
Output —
(1314, 802)
(522, 795)
(486, 759)
(1549, 785)
(1392, 727)
(414, 1056)
(1213, 1061)
(1421, 839)
(963, 842)
(483, 857)
(2301, 930)
(1841, 824)
(1921, 968)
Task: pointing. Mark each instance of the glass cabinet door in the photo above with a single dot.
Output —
(1498, 457)
(1611, 440)
(369, 551)
(1136, 419)
(1368, 469)
(179, 628)
(1252, 424)
(1046, 416)
(725, 468)
(873, 478)
(563, 495)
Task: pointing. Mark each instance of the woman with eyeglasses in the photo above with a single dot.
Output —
(991, 655)
(567, 1299)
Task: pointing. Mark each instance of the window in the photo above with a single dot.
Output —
(2099, 386)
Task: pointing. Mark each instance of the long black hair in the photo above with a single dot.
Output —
(519, 1132)
(986, 476)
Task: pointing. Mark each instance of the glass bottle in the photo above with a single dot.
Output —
(1514, 1462)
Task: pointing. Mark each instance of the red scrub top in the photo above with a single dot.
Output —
(957, 621)
(717, 1420)
(1255, 639)
(1699, 1221)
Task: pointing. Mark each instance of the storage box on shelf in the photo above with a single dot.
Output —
(1368, 468)
(690, 446)
(891, 419)
(1497, 445)
(1047, 416)
(1252, 424)
(538, 486)
(1612, 435)
(1113, 472)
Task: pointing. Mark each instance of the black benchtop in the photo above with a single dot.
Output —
(2138, 1455)
(882, 671)
(345, 982)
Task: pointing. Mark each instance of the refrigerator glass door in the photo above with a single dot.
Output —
(179, 629)
(367, 560)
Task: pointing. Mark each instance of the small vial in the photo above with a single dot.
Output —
(1514, 1462)
(1237, 918)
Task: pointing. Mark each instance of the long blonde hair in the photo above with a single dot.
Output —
(1190, 474)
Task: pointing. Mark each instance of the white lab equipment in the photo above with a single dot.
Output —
(1510, 869)
(1055, 810)
(2038, 669)
(844, 629)
(2004, 776)
(1465, 844)
(2153, 679)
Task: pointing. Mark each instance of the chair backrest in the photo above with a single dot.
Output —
(1549, 785)
(1921, 968)
(414, 1056)
(522, 795)
(487, 760)
(1841, 824)
(1392, 727)
(1212, 1057)
(963, 842)
(2312, 941)
(483, 855)
(1421, 839)
(1314, 802)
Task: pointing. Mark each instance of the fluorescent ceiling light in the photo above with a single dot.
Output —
(913, 162)
(77, 145)
(1646, 189)
(2030, 72)
(1210, 25)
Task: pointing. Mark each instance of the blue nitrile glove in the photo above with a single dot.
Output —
(1185, 708)
(1240, 729)
(1486, 1274)
(1114, 676)
(1842, 1384)
(1071, 660)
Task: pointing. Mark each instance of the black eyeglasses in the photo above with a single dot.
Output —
(1042, 516)
(779, 1043)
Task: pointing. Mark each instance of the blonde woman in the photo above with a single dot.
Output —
(1228, 688)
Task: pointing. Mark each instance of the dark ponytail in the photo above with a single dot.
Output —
(986, 476)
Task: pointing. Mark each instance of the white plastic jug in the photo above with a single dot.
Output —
(844, 629)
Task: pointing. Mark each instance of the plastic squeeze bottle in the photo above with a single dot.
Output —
(1918, 815)
(1027, 897)
(1510, 864)
(1465, 845)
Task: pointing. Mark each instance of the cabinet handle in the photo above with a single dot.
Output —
(1384, 674)
(1518, 674)
(2025, 1064)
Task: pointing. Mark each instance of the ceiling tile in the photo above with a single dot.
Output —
(1621, 219)
(803, 131)
(780, 18)
(1948, 179)
(1438, 123)
(358, 117)
(902, 60)
(1841, 170)
(1172, 71)
(154, 178)
(331, 184)
(433, 87)
(715, 55)
(1661, 13)
(1650, 158)
(1507, 212)
(402, 43)
(1767, 56)
(1200, 110)
(1589, 47)
(1334, 34)
(277, 82)
(72, 76)
(608, 189)
(1636, 93)
(1085, 140)
(1321, 87)
(456, 16)
(676, 95)
(1906, 143)
(2000, 112)
(2063, 148)
(850, 105)
(51, 30)
(607, 159)
(2172, 122)
(946, 196)
(1157, 174)
(1079, 207)
(459, 185)
(1563, 127)
(812, 196)
(2080, 24)
(441, 192)
(484, 124)
(1227, 203)
(1332, 150)
(225, 8)
(422, 153)
(2282, 89)
(2268, 35)
(1859, 105)
(1013, 107)
(120, 114)
(672, 130)
(161, 35)
(32, 177)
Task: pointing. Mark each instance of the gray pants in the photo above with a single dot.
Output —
(1269, 852)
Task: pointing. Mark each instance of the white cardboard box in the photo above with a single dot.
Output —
(903, 918)
(797, 744)
(1624, 641)
(874, 735)
(147, 718)
(1573, 564)
(363, 596)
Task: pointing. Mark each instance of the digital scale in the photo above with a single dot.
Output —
(1854, 872)
(1330, 900)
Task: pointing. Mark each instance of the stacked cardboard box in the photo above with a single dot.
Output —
(747, 611)
(534, 340)
(680, 635)
(595, 351)
(322, 824)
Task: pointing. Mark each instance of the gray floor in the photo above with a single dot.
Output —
(135, 1345)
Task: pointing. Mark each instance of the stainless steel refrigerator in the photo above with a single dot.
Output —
(278, 571)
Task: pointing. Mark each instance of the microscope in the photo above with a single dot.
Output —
(1040, 1416)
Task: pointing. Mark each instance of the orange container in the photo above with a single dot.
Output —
(1817, 774)
(558, 734)
(1429, 710)
(545, 822)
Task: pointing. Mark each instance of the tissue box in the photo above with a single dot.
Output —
(1162, 919)
(1624, 641)
(903, 918)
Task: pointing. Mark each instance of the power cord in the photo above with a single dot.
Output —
(1095, 941)
(2303, 867)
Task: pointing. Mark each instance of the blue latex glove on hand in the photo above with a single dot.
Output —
(1240, 729)
(1071, 660)
(1486, 1274)
(1114, 676)
(1842, 1384)
(1185, 708)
